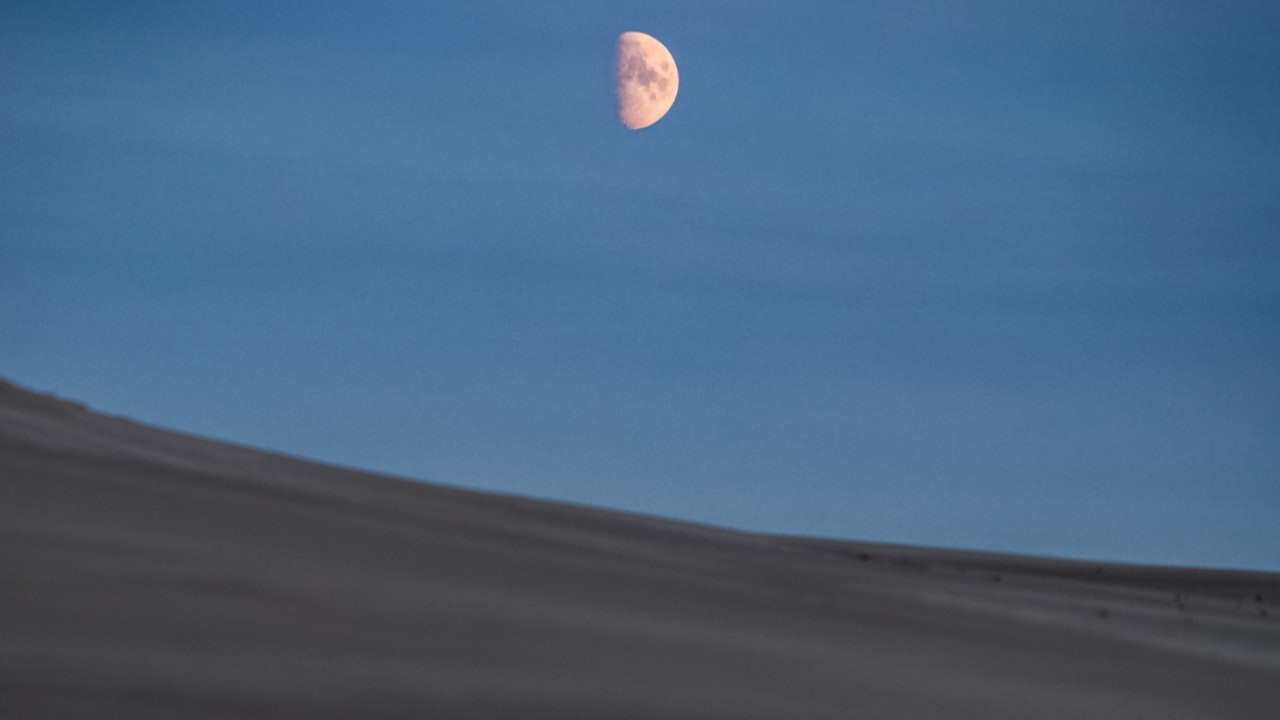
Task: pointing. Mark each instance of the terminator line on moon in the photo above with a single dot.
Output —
(647, 80)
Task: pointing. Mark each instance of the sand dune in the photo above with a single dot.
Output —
(149, 574)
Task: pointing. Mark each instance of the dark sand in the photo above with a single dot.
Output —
(148, 574)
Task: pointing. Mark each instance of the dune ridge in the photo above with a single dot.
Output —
(152, 574)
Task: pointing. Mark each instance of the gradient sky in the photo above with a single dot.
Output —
(986, 275)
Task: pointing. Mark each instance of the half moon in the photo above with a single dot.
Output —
(647, 80)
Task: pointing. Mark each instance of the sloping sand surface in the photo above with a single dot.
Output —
(149, 574)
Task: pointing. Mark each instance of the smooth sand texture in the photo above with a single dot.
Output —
(148, 574)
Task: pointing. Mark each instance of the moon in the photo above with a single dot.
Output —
(647, 80)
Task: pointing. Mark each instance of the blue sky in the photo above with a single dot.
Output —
(987, 275)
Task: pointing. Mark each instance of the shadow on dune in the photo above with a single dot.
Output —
(150, 574)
